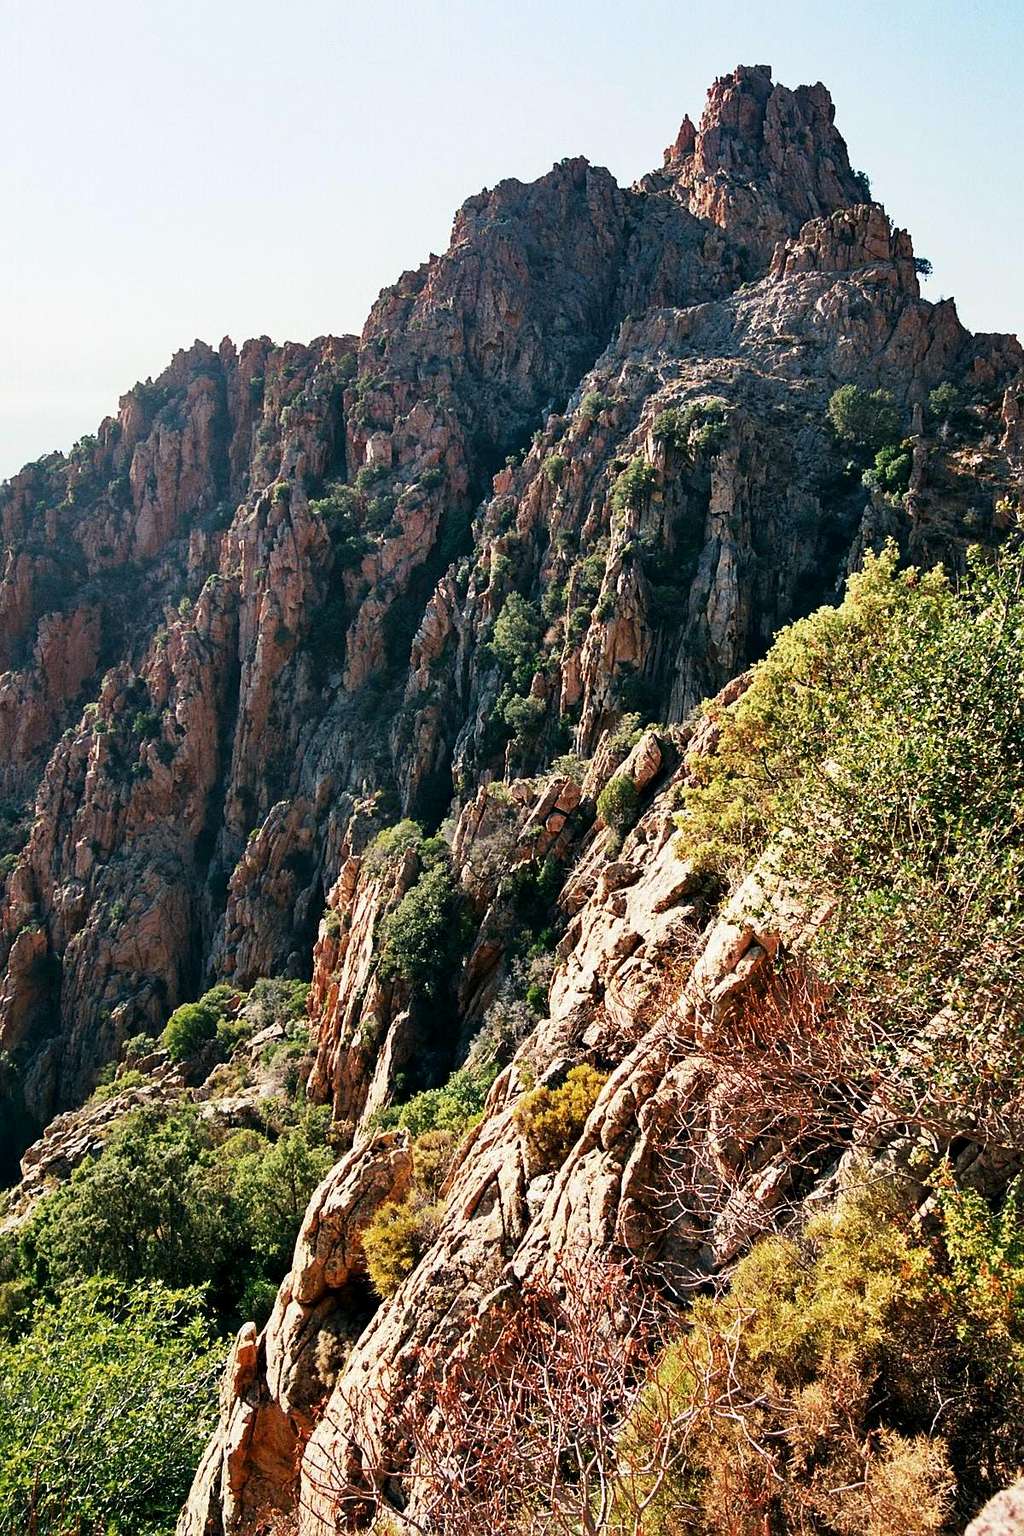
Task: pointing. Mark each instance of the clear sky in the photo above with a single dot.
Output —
(181, 168)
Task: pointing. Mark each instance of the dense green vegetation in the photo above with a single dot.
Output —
(866, 1375)
(104, 1409)
(863, 418)
(699, 427)
(168, 1201)
(618, 804)
(551, 1119)
(883, 743)
(423, 938)
(869, 424)
(108, 1366)
(856, 1379)
(633, 486)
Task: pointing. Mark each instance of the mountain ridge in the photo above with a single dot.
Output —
(469, 570)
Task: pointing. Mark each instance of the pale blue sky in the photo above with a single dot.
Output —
(182, 168)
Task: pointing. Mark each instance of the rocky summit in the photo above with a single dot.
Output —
(381, 664)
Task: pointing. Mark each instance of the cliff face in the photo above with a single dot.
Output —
(253, 621)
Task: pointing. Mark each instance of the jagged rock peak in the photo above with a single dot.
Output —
(764, 159)
(849, 239)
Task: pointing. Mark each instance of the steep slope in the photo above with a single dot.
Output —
(246, 580)
(575, 475)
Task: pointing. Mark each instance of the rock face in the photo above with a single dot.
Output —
(764, 159)
(274, 1387)
(258, 598)
(1002, 1516)
(641, 972)
(255, 620)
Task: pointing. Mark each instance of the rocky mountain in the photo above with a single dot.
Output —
(574, 476)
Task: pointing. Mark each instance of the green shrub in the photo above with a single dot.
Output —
(391, 845)
(110, 1090)
(453, 1107)
(395, 1241)
(341, 510)
(633, 486)
(851, 1346)
(274, 1000)
(524, 715)
(369, 476)
(884, 740)
(570, 766)
(188, 1029)
(272, 1185)
(105, 1408)
(618, 804)
(699, 427)
(553, 468)
(164, 1201)
(551, 1119)
(423, 937)
(593, 404)
(891, 470)
(946, 405)
(516, 638)
(867, 419)
(138, 1046)
(986, 1252)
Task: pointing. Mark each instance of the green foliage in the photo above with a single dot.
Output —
(524, 715)
(193, 1025)
(395, 1241)
(105, 1406)
(341, 508)
(627, 733)
(189, 1028)
(863, 185)
(891, 469)
(986, 1253)
(618, 804)
(532, 887)
(570, 766)
(164, 1201)
(593, 404)
(369, 476)
(391, 845)
(110, 1090)
(867, 419)
(146, 723)
(884, 742)
(857, 1375)
(423, 938)
(551, 1119)
(516, 638)
(455, 1107)
(272, 1000)
(138, 1046)
(553, 468)
(697, 428)
(272, 1185)
(946, 405)
(633, 486)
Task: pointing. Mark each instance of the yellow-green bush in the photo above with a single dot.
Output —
(883, 743)
(396, 1239)
(551, 1119)
(846, 1383)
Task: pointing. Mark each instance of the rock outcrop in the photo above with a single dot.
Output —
(574, 476)
(294, 527)
(1002, 1516)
